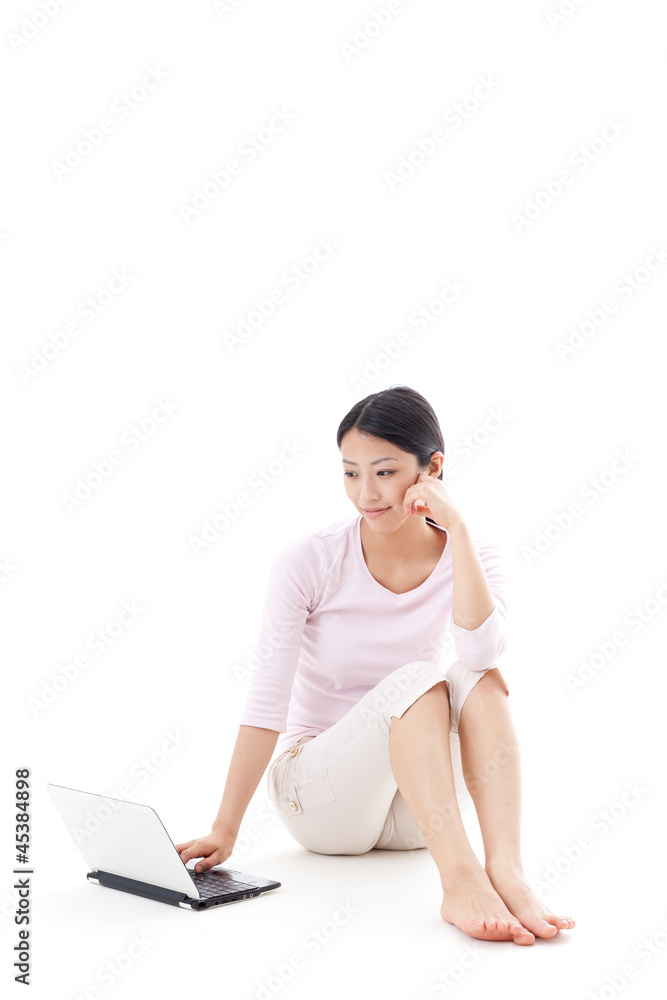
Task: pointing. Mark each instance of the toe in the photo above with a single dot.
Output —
(522, 935)
(485, 929)
(545, 928)
(559, 922)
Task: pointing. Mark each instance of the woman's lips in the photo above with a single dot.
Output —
(376, 513)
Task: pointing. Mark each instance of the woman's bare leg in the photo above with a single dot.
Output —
(420, 757)
(491, 768)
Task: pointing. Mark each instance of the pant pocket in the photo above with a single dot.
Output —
(306, 785)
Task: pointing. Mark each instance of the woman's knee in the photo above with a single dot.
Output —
(491, 680)
(483, 696)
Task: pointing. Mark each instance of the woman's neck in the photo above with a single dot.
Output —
(414, 539)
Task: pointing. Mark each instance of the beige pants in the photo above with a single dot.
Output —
(336, 792)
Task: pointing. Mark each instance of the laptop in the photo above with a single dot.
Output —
(127, 847)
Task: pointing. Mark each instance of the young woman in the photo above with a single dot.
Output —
(372, 729)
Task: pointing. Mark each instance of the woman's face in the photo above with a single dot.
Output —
(372, 484)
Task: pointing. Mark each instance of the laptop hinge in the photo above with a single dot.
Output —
(138, 888)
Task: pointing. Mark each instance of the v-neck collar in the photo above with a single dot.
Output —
(437, 569)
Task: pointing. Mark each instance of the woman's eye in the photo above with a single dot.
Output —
(382, 472)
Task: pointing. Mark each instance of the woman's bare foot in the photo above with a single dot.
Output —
(471, 903)
(511, 885)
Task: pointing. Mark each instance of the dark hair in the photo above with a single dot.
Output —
(401, 415)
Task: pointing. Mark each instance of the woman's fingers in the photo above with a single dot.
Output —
(212, 849)
(180, 847)
(209, 861)
(190, 849)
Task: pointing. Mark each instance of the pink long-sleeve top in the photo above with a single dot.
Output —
(330, 632)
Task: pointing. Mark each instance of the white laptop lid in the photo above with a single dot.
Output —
(121, 837)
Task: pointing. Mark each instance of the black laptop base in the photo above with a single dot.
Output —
(172, 896)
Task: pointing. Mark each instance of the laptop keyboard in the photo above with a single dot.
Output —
(216, 883)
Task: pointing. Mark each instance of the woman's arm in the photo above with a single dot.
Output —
(473, 600)
(252, 752)
(478, 612)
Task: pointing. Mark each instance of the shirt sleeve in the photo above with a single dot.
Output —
(290, 594)
(480, 648)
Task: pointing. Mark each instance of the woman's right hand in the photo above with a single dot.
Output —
(215, 848)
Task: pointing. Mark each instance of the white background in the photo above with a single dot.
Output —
(68, 401)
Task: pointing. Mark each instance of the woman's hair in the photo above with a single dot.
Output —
(401, 415)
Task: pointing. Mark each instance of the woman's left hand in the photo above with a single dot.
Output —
(439, 505)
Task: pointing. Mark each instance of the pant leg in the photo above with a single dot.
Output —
(336, 792)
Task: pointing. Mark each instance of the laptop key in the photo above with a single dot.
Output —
(219, 883)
